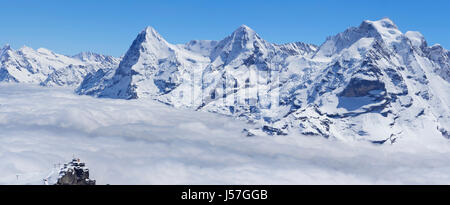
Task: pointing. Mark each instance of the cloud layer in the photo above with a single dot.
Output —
(145, 142)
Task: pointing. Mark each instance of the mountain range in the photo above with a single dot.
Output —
(47, 68)
(371, 82)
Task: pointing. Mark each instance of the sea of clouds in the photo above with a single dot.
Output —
(146, 142)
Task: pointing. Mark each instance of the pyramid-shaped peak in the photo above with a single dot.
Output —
(6, 47)
(242, 40)
(150, 30)
(150, 37)
(244, 29)
(150, 33)
(245, 34)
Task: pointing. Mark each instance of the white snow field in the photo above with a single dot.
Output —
(145, 142)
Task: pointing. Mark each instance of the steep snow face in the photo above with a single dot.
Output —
(150, 67)
(73, 75)
(383, 30)
(203, 47)
(47, 68)
(243, 41)
(376, 76)
(298, 48)
(101, 61)
(5, 55)
(441, 57)
(417, 39)
(370, 82)
(31, 66)
(239, 74)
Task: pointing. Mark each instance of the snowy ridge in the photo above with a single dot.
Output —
(203, 47)
(368, 75)
(298, 48)
(47, 68)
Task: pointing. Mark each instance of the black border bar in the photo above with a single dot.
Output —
(274, 194)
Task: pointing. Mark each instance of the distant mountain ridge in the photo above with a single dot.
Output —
(47, 68)
(371, 82)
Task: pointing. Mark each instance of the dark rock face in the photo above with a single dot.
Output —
(74, 173)
(272, 130)
(360, 87)
(165, 86)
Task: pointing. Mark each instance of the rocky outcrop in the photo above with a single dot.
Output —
(74, 173)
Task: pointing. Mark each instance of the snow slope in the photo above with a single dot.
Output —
(371, 82)
(47, 68)
(145, 142)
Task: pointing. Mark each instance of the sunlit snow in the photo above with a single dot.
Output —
(145, 142)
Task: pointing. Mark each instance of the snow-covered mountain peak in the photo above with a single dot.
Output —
(438, 47)
(243, 40)
(151, 65)
(5, 47)
(45, 51)
(242, 30)
(416, 38)
(5, 50)
(26, 49)
(148, 41)
(152, 36)
(244, 35)
(384, 31)
(149, 46)
(441, 57)
(367, 74)
(384, 23)
(387, 30)
(151, 31)
(43, 54)
(44, 67)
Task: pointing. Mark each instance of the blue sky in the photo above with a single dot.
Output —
(109, 27)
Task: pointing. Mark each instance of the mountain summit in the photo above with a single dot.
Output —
(371, 82)
(47, 68)
(365, 75)
(242, 40)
